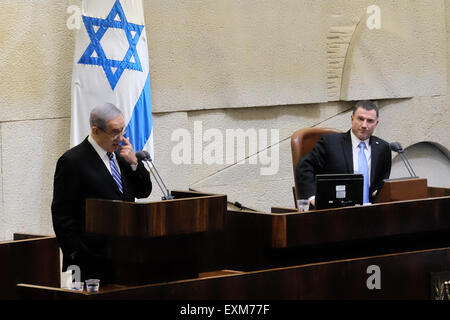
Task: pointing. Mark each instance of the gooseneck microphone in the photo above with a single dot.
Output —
(397, 147)
(145, 156)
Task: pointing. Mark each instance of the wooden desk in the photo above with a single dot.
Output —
(34, 259)
(402, 276)
(316, 255)
(260, 240)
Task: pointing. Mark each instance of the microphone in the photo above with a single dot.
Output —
(237, 204)
(145, 156)
(397, 147)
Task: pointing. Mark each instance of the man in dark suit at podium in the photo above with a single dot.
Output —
(355, 151)
(103, 166)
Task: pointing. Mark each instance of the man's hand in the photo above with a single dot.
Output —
(127, 151)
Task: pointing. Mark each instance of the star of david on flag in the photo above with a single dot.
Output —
(111, 65)
(95, 55)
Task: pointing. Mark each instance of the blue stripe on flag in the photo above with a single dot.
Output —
(140, 126)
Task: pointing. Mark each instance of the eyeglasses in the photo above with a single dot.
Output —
(115, 134)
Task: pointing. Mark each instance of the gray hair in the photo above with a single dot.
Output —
(101, 114)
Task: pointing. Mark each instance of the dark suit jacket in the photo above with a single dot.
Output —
(81, 174)
(333, 154)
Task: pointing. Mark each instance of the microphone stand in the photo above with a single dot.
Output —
(397, 147)
(407, 164)
(167, 195)
(145, 156)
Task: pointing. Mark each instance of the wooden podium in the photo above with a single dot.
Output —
(403, 189)
(156, 241)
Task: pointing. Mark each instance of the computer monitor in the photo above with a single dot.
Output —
(339, 190)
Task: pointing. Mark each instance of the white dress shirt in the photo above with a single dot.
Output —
(103, 154)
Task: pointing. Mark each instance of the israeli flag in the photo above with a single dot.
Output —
(111, 65)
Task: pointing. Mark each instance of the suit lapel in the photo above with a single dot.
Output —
(347, 149)
(97, 163)
(375, 154)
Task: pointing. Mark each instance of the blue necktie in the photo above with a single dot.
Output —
(363, 168)
(114, 171)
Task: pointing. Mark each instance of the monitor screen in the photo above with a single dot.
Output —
(339, 190)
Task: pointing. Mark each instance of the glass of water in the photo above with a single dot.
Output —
(303, 205)
(78, 286)
(92, 285)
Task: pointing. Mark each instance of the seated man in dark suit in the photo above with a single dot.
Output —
(103, 166)
(355, 151)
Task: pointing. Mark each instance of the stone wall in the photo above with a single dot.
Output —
(225, 65)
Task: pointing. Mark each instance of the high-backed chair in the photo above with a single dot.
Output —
(302, 142)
